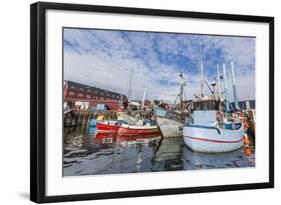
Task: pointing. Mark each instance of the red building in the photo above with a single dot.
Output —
(76, 92)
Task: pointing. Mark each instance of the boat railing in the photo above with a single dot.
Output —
(205, 127)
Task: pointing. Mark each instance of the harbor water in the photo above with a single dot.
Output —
(87, 152)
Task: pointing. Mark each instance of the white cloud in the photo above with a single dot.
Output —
(105, 59)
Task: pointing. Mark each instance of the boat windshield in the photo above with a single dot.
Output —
(206, 105)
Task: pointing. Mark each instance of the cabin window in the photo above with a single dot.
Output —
(206, 105)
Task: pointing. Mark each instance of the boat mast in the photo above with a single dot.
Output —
(202, 77)
(130, 83)
(219, 82)
(225, 89)
(234, 86)
(121, 100)
(143, 98)
(182, 84)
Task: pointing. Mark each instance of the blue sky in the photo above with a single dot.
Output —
(106, 59)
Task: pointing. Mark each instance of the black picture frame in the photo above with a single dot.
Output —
(38, 101)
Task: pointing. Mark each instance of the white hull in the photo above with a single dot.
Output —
(211, 139)
(169, 128)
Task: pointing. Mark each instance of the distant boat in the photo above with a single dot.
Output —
(169, 127)
(110, 126)
(211, 132)
(126, 129)
(170, 122)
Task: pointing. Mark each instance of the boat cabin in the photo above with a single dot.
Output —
(205, 104)
(205, 111)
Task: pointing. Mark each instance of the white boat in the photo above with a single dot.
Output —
(171, 122)
(211, 132)
(214, 129)
(169, 127)
(211, 139)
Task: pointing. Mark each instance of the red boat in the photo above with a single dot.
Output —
(107, 127)
(137, 130)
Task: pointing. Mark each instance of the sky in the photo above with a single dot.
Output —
(110, 59)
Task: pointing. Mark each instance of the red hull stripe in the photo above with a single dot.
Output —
(107, 127)
(216, 141)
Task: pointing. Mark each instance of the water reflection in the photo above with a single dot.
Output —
(168, 156)
(88, 152)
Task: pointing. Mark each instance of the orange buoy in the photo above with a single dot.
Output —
(248, 150)
(246, 124)
(246, 139)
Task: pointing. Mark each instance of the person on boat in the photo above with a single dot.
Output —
(153, 120)
(147, 122)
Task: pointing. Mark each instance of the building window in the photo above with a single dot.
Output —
(80, 95)
(71, 93)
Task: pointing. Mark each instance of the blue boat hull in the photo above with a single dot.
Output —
(93, 122)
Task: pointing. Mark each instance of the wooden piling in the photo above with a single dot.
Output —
(83, 117)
